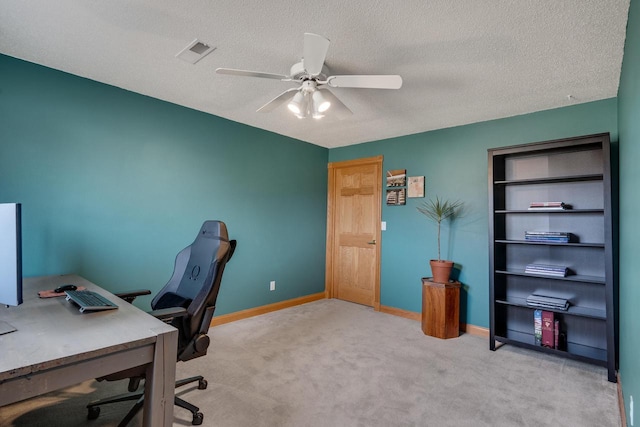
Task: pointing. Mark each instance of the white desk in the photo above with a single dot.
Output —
(56, 346)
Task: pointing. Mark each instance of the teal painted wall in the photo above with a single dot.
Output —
(114, 184)
(454, 163)
(629, 128)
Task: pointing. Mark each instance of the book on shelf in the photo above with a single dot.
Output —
(547, 239)
(547, 270)
(537, 326)
(546, 204)
(550, 236)
(556, 334)
(548, 338)
(549, 206)
(548, 233)
(543, 301)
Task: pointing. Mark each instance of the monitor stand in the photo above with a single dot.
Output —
(5, 327)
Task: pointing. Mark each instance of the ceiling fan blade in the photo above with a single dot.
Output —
(277, 101)
(337, 108)
(314, 53)
(368, 82)
(246, 73)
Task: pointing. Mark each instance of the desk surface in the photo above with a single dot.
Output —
(52, 333)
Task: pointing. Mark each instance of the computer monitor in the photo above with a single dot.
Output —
(10, 258)
(10, 254)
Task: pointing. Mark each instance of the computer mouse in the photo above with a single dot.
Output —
(63, 288)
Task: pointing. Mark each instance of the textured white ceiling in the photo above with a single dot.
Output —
(461, 61)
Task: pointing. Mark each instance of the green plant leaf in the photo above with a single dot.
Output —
(439, 210)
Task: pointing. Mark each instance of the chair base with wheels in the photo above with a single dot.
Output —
(93, 408)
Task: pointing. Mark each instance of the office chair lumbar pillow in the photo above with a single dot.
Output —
(187, 302)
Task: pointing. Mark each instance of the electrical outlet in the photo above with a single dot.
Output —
(272, 285)
(631, 409)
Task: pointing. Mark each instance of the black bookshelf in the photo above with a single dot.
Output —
(575, 171)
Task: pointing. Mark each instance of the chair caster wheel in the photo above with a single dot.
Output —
(197, 419)
(94, 412)
(202, 384)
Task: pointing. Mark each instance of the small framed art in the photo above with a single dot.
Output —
(396, 197)
(397, 178)
(415, 186)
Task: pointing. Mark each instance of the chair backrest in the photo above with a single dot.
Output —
(194, 285)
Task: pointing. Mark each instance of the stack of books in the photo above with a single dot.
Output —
(547, 330)
(549, 236)
(547, 270)
(548, 206)
(543, 301)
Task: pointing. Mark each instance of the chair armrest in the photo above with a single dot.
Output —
(131, 295)
(168, 313)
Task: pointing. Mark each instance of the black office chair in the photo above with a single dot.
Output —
(187, 302)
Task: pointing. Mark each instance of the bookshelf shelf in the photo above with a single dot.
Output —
(573, 310)
(575, 171)
(550, 211)
(547, 180)
(578, 352)
(571, 278)
(530, 242)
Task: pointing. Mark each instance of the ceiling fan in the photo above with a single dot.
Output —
(312, 98)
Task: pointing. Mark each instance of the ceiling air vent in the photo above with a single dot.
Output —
(195, 51)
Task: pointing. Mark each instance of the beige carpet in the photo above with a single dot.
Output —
(332, 363)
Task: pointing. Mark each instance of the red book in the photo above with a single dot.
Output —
(548, 338)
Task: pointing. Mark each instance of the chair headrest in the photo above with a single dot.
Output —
(214, 230)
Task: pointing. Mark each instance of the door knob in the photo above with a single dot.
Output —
(373, 242)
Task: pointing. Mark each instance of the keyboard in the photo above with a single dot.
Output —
(90, 301)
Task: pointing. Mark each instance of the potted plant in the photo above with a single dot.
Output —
(440, 210)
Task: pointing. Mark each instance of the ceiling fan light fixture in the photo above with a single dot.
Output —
(295, 105)
(294, 108)
(320, 104)
(324, 106)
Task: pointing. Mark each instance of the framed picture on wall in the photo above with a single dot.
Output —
(415, 186)
(396, 197)
(397, 178)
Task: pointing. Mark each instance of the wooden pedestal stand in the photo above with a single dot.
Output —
(440, 308)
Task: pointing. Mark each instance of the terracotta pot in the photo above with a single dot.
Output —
(441, 270)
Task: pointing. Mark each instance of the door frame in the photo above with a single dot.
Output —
(330, 290)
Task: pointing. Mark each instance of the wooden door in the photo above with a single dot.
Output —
(353, 231)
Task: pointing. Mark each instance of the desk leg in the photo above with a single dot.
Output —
(159, 386)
